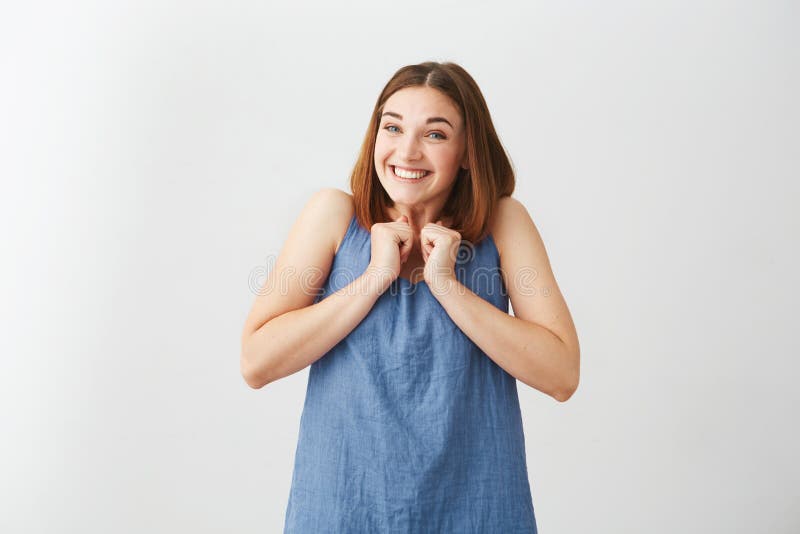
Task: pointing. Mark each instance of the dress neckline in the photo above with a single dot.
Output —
(400, 280)
(412, 284)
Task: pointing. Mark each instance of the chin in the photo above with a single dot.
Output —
(404, 198)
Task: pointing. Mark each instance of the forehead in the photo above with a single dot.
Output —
(419, 103)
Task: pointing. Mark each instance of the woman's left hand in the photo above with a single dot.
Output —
(439, 246)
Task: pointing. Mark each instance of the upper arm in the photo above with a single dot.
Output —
(305, 260)
(525, 267)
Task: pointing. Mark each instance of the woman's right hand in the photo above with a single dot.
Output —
(391, 244)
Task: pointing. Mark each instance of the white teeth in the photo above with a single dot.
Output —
(405, 174)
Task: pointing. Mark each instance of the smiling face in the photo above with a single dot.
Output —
(420, 147)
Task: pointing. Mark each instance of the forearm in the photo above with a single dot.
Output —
(296, 339)
(525, 350)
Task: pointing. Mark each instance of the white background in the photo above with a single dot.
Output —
(154, 155)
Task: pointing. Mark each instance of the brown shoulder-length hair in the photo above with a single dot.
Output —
(476, 190)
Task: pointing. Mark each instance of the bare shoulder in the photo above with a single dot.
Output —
(305, 259)
(518, 241)
(332, 210)
(510, 222)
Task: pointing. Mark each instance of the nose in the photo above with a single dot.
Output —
(409, 148)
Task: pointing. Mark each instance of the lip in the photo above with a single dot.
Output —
(409, 169)
(409, 180)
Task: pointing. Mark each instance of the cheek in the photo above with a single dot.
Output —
(448, 158)
(381, 149)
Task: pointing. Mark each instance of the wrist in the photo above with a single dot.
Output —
(376, 280)
(442, 282)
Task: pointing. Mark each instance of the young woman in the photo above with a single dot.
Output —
(397, 296)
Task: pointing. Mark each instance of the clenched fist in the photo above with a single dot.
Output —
(391, 244)
(439, 250)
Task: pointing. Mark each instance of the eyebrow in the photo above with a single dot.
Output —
(429, 121)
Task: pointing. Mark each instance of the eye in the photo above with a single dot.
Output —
(441, 135)
(389, 126)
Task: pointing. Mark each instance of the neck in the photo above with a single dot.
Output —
(418, 216)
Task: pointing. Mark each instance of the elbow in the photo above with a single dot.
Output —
(252, 376)
(563, 393)
(252, 381)
(569, 385)
(247, 374)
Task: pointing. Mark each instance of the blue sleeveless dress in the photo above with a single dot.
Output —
(407, 425)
